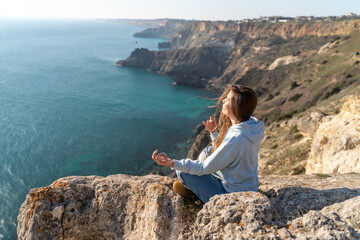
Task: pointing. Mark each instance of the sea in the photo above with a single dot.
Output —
(66, 109)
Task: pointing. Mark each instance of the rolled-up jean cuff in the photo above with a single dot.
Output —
(179, 177)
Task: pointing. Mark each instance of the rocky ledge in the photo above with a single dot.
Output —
(133, 207)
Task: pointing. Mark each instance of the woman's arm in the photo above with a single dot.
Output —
(228, 151)
(211, 126)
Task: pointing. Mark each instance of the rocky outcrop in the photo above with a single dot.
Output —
(283, 61)
(336, 144)
(131, 207)
(115, 207)
(328, 47)
(191, 67)
(164, 45)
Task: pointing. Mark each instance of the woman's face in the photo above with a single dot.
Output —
(226, 108)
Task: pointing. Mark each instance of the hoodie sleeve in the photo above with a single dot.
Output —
(222, 157)
(213, 136)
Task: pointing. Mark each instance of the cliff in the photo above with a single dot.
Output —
(189, 67)
(131, 207)
(197, 33)
(292, 66)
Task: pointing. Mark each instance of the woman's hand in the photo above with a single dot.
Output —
(162, 159)
(210, 125)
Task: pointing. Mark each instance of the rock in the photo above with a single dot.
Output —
(348, 211)
(115, 207)
(336, 144)
(133, 207)
(317, 225)
(294, 196)
(307, 124)
(283, 61)
(164, 45)
(297, 170)
(201, 141)
(226, 216)
(140, 57)
(199, 128)
(325, 49)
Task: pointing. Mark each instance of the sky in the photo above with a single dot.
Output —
(179, 9)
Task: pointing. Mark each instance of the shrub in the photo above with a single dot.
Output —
(357, 62)
(286, 115)
(293, 85)
(274, 146)
(321, 176)
(293, 129)
(357, 53)
(295, 97)
(337, 38)
(298, 136)
(336, 89)
(348, 75)
(274, 115)
(277, 93)
(269, 97)
(324, 62)
(346, 37)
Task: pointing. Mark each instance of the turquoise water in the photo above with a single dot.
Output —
(66, 109)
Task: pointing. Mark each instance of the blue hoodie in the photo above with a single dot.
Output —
(235, 161)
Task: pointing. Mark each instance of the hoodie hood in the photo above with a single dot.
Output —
(252, 129)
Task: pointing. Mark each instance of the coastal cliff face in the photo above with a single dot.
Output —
(292, 66)
(198, 33)
(131, 207)
(189, 67)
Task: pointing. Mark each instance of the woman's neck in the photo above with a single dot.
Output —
(235, 121)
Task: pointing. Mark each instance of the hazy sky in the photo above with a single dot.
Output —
(184, 9)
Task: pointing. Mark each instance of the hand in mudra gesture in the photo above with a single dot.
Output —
(210, 125)
(161, 159)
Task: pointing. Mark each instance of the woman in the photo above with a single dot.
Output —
(231, 164)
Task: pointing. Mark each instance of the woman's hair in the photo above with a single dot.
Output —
(244, 102)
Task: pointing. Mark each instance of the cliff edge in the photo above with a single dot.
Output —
(133, 207)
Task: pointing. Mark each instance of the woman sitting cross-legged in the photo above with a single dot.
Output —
(231, 163)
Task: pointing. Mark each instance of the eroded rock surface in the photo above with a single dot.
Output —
(336, 144)
(131, 207)
(115, 207)
(283, 61)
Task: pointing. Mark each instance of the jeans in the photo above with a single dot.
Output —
(204, 186)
